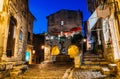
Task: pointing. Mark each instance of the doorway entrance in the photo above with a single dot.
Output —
(11, 36)
(27, 56)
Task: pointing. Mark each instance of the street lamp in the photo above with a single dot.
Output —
(84, 40)
(84, 45)
(33, 51)
(42, 47)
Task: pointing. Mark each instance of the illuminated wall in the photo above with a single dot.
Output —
(19, 12)
(4, 19)
(64, 20)
(47, 53)
(1, 5)
(110, 26)
(112, 33)
(30, 37)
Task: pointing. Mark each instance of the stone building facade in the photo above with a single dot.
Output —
(14, 29)
(62, 26)
(64, 20)
(30, 47)
(93, 4)
(107, 17)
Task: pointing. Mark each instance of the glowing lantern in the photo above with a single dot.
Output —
(73, 50)
(55, 50)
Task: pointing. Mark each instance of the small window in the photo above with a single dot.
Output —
(28, 36)
(20, 35)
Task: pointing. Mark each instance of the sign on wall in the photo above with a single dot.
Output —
(103, 13)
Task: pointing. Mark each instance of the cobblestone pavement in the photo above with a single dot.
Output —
(49, 70)
(78, 73)
(90, 68)
(86, 74)
(45, 71)
(54, 71)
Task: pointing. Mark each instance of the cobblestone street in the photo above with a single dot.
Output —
(90, 69)
(60, 71)
(86, 74)
(44, 71)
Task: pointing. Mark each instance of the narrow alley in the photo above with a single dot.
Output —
(45, 70)
(90, 69)
(61, 39)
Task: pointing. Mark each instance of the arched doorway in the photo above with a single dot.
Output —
(11, 36)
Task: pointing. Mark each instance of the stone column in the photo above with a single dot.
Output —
(16, 41)
(1, 35)
(5, 16)
(5, 35)
(77, 61)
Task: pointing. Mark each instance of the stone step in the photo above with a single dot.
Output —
(38, 77)
(93, 67)
(3, 74)
(63, 57)
(18, 63)
(62, 63)
(15, 73)
(16, 68)
(94, 59)
(88, 53)
(91, 56)
(95, 63)
(86, 74)
(113, 68)
(105, 71)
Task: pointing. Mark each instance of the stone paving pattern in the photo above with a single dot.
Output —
(53, 71)
(45, 71)
(86, 74)
(91, 68)
(49, 70)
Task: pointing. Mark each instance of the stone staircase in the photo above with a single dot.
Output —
(18, 70)
(14, 68)
(44, 71)
(110, 70)
(95, 62)
(92, 61)
(63, 59)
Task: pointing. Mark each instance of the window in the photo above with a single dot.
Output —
(28, 36)
(20, 35)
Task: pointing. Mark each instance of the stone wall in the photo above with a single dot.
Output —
(70, 18)
(19, 11)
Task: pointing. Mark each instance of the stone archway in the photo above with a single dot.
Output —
(11, 37)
